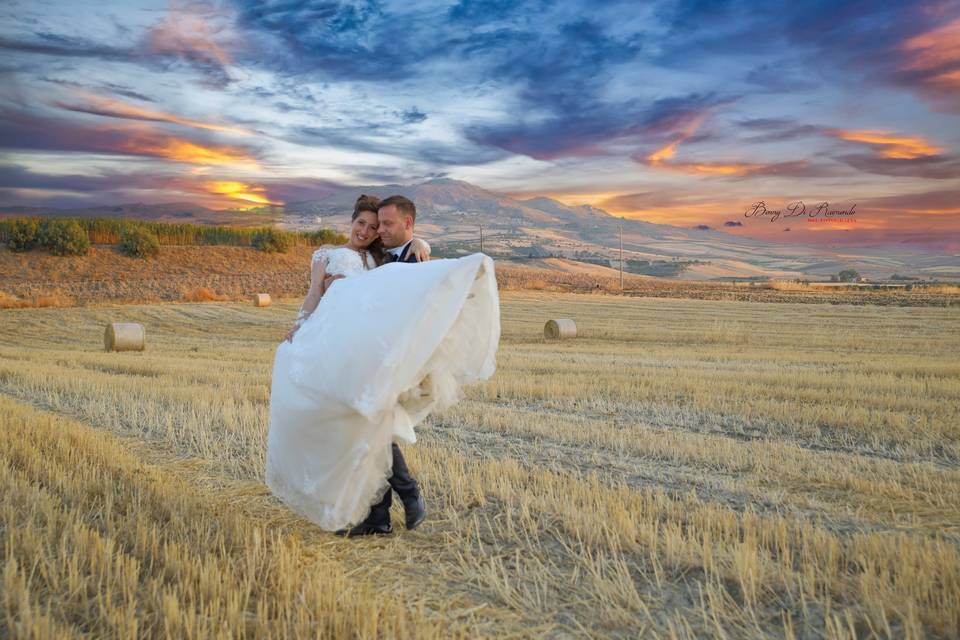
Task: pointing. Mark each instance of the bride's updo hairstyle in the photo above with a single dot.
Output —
(372, 204)
(365, 203)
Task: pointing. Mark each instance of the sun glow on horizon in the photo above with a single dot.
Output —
(240, 191)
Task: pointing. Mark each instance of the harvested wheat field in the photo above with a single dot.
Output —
(682, 468)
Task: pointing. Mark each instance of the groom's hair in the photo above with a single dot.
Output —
(404, 205)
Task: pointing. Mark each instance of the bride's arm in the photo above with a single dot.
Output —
(318, 272)
(421, 249)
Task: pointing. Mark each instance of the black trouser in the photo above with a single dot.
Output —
(400, 481)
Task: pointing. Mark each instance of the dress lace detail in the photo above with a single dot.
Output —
(342, 261)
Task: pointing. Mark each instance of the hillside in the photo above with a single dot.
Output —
(209, 273)
(451, 213)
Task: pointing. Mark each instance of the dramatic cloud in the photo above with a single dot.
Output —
(890, 145)
(932, 63)
(675, 110)
(97, 105)
(26, 132)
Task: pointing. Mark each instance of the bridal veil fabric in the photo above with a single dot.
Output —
(383, 349)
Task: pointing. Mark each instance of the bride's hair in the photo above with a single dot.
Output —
(370, 203)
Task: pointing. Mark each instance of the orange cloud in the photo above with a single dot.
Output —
(668, 151)
(716, 168)
(151, 144)
(936, 55)
(660, 157)
(98, 105)
(889, 145)
(189, 36)
(240, 191)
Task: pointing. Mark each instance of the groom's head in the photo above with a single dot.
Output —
(397, 215)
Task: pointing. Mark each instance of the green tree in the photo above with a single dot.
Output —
(63, 237)
(271, 240)
(139, 242)
(23, 235)
(848, 275)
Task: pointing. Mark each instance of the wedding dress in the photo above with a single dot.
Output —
(383, 349)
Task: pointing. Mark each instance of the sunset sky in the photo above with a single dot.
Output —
(686, 113)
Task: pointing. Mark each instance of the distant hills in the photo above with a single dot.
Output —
(450, 213)
(539, 230)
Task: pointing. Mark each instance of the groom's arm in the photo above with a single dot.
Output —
(419, 249)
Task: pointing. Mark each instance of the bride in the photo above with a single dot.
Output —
(371, 355)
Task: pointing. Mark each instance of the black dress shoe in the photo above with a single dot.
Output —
(366, 529)
(415, 511)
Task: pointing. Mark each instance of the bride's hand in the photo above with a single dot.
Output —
(421, 249)
(289, 336)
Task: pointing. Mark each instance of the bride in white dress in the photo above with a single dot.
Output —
(382, 349)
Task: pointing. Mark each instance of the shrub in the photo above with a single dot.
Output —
(63, 237)
(23, 235)
(848, 275)
(138, 242)
(271, 240)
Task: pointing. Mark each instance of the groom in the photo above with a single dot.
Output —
(397, 216)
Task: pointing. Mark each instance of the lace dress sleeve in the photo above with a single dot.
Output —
(320, 255)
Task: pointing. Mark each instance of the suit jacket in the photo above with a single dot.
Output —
(406, 255)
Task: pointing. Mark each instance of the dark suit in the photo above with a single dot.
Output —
(401, 480)
(405, 255)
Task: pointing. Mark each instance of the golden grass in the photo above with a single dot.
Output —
(683, 468)
(98, 544)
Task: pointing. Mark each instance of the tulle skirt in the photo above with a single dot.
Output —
(383, 349)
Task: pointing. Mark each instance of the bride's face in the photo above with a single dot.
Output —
(363, 230)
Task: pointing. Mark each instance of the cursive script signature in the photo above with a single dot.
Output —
(797, 208)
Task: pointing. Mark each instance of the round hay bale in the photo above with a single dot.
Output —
(124, 336)
(560, 329)
(261, 300)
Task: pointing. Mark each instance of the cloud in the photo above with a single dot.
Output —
(194, 38)
(411, 115)
(887, 144)
(586, 130)
(106, 87)
(930, 167)
(931, 63)
(76, 190)
(940, 202)
(191, 37)
(28, 132)
(896, 154)
(97, 105)
(663, 157)
(794, 168)
(912, 45)
(66, 47)
(340, 40)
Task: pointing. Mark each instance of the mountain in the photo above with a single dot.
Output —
(450, 214)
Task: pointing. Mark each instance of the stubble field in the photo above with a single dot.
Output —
(684, 468)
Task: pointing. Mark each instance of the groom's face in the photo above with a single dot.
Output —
(395, 228)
